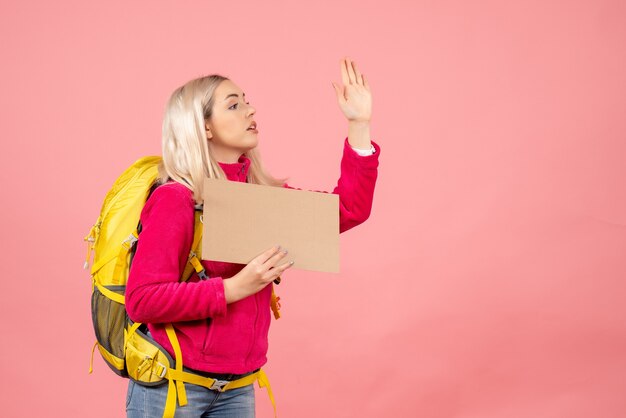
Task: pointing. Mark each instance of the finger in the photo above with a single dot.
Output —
(284, 267)
(358, 76)
(274, 259)
(267, 254)
(365, 83)
(280, 268)
(276, 272)
(351, 74)
(344, 73)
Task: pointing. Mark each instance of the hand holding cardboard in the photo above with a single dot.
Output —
(241, 220)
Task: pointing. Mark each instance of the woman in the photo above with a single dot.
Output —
(222, 323)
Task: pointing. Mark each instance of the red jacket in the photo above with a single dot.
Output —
(216, 337)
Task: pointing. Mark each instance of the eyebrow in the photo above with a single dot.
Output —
(235, 95)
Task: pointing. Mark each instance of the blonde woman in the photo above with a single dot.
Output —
(222, 320)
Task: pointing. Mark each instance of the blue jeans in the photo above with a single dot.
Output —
(149, 402)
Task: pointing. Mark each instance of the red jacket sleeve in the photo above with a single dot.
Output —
(153, 292)
(355, 186)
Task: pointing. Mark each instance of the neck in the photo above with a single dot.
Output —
(226, 155)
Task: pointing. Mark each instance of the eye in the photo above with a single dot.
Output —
(237, 104)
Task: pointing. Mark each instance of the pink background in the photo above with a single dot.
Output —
(489, 279)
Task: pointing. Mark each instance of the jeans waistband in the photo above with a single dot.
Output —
(219, 376)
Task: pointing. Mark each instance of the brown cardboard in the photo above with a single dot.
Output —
(241, 220)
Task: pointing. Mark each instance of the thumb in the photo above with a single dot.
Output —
(338, 91)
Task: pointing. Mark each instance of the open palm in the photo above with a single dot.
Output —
(354, 97)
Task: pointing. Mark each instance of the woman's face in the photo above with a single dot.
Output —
(227, 130)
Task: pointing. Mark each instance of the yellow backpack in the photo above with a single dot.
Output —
(124, 344)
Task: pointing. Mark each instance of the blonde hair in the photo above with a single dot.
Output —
(186, 155)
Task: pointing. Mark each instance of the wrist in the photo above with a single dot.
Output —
(231, 293)
(359, 134)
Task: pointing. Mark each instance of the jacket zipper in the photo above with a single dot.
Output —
(243, 166)
(256, 300)
(256, 317)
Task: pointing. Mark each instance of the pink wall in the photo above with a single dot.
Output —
(489, 280)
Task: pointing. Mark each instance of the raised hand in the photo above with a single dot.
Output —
(354, 97)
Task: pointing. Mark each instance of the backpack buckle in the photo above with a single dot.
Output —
(163, 370)
(218, 385)
(130, 241)
(193, 259)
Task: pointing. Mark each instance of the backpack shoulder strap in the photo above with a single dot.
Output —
(196, 249)
(196, 246)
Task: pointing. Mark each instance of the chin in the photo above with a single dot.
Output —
(253, 143)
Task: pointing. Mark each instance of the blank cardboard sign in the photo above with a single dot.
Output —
(241, 220)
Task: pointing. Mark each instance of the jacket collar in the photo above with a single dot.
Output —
(237, 171)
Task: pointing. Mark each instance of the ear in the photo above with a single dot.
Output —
(207, 128)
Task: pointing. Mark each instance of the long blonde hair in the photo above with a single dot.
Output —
(186, 155)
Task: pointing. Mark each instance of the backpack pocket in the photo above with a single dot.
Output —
(146, 360)
(109, 320)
